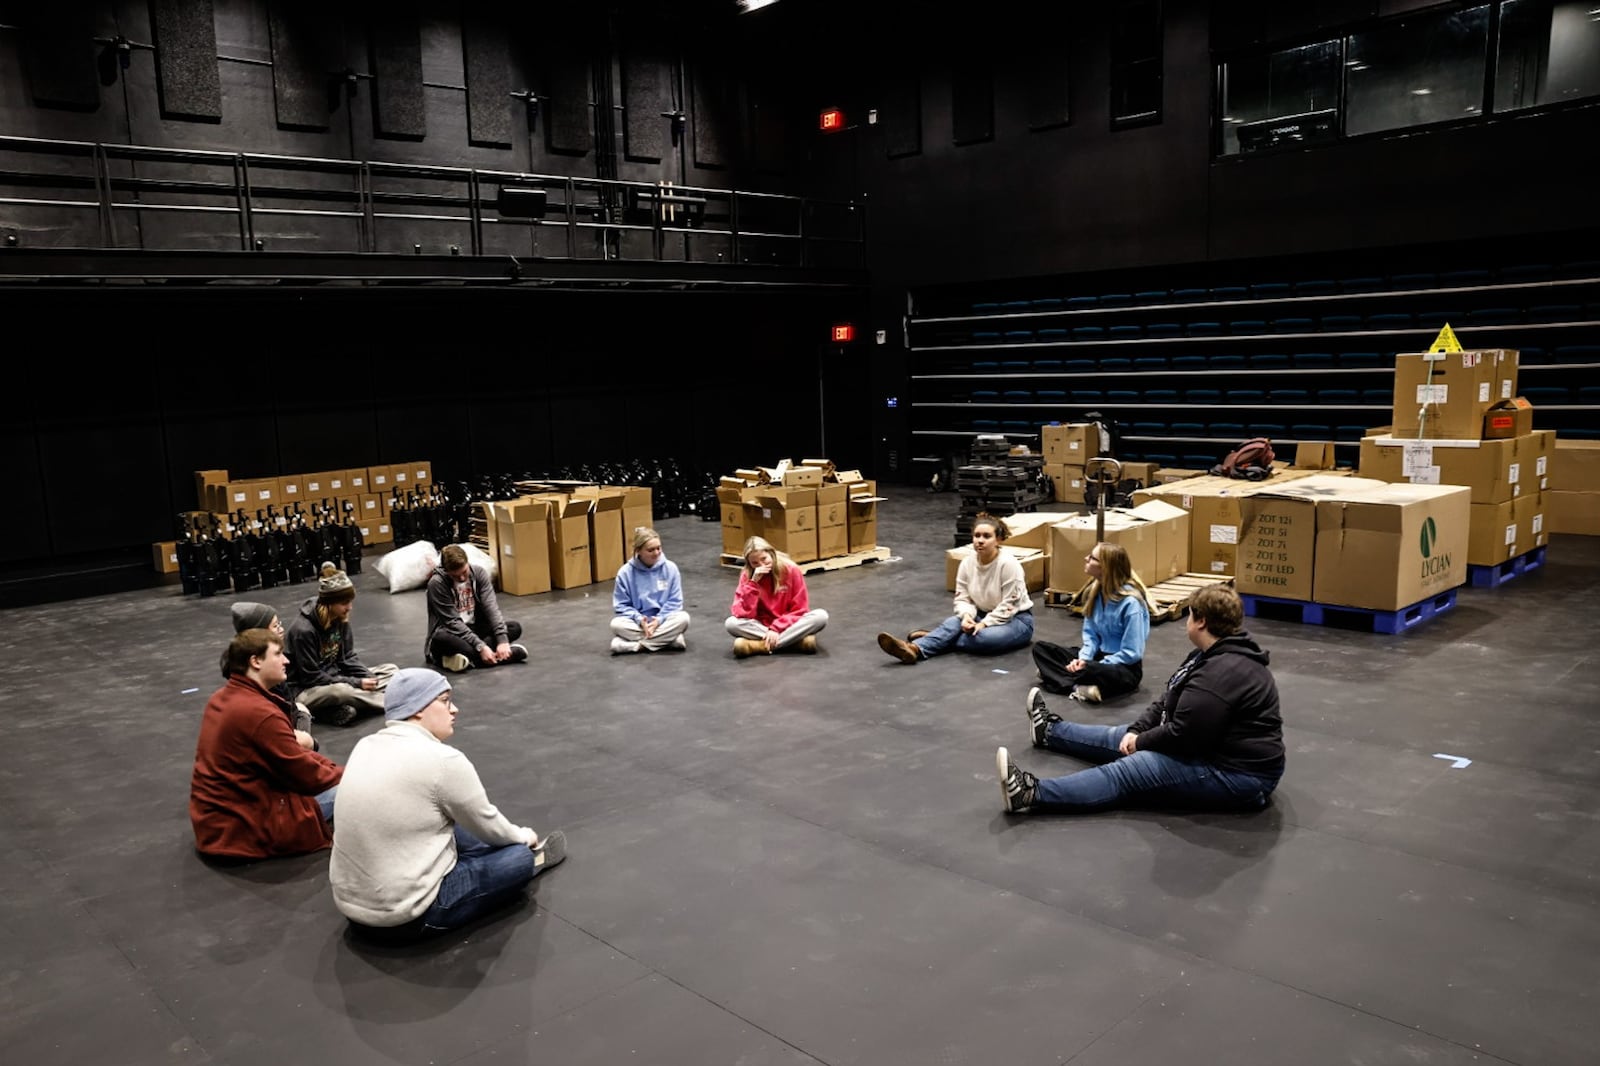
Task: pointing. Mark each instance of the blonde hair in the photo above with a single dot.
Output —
(643, 535)
(1116, 574)
(780, 561)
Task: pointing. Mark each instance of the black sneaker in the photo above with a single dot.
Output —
(1016, 785)
(519, 654)
(1041, 718)
(341, 715)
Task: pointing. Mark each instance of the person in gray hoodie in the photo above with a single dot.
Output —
(465, 626)
(647, 600)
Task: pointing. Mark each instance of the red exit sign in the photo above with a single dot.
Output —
(844, 333)
(832, 119)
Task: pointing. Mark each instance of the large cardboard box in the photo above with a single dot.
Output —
(569, 539)
(164, 554)
(421, 471)
(1278, 534)
(370, 506)
(376, 531)
(291, 490)
(730, 501)
(251, 495)
(1035, 567)
(1072, 444)
(802, 477)
(380, 479)
(637, 510)
(1575, 466)
(1495, 470)
(322, 485)
(1391, 547)
(1444, 395)
(355, 481)
(606, 548)
(1068, 481)
(864, 500)
(520, 538)
(1032, 530)
(1216, 514)
(203, 480)
(1501, 531)
(1143, 473)
(1572, 512)
(1155, 534)
(788, 519)
(833, 521)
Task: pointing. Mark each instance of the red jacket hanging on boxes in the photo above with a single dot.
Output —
(253, 793)
(775, 608)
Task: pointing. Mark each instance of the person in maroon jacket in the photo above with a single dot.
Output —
(257, 792)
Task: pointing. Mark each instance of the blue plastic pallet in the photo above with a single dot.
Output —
(1323, 614)
(1492, 577)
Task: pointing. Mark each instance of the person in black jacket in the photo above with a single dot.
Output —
(325, 673)
(1213, 739)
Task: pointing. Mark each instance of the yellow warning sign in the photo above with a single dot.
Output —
(1446, 341)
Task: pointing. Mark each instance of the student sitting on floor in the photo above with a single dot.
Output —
(993, 611)
(325, 673)
(1213, 739)
(771, 610)
(417, 846)
(1116, 624)
(248, 615)
(647, 600)
(465, 626)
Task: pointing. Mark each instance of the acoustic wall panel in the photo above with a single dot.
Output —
(901, 114)
(972, 102)
(486, 52)
(301, 75)
(187, 80)
(715, 118)
(569, 126)
(59, 56)
(399, 109)
(646, 93)
(1045, 75)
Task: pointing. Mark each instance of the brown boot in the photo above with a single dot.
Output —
(808, 644)
(745, 648)
(903, 650)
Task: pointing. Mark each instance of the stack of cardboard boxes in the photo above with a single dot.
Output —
(1458, 421)
(807, 511)
(1051, 546)
(1068, 448)
(563, 539)
(1573, 503)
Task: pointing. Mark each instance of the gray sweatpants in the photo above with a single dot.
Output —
(672, 626)
(809, 623)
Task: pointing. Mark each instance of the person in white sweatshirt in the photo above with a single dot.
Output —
(993, 611)
(418, 848)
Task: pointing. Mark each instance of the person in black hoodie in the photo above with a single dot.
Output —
(1213, 739)
(324, 672)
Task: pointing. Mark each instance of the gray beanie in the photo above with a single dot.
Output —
(247, 615)
(410, 690)
(334, 585)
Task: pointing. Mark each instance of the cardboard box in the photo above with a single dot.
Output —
(164, 554)
(788, 519)
(1391, 547)
(1168, 474)
(833, 521)
(1068, 481)
(1572, 512)
(607, 551)
(1216, 515)
(1495, 470)
(1444, 395)
(802, 477)
(355, 481)
(1072, 444)
(1313, 455)
(1035, 568)
(731, 501)
(520, 537)
(339, 503)
(291, 490)
(569, 540)
(1500, 531)
(379, 479)
(864, 500)
(1575, 466)
(637, 510)
(1032, 530)
(1155, 535)
(1508, 418)
(251, 495)
(370, 507)
(1278, 534)
(1143, 473)
(203, 480)
(376, 531)
(400, 478)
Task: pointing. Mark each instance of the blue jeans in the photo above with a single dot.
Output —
(486, 877)
(325, 801)
(1146, 776)
(1015, 632)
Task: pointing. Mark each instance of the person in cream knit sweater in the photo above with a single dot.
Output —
(417, 846)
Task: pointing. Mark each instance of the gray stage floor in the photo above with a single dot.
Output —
(798, 859)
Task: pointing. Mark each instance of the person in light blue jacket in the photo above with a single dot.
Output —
(647, 600)
(1116, 624)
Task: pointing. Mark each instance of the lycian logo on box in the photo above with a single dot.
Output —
(1432, 565)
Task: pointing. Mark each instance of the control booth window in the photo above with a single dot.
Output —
(1549, 53)
(1288, 97)
(1416, 71)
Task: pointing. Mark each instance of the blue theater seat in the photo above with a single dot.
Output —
(1230, 292)
(1015, 366)
(1578, 353)
(1247, 326)
(1088, 396)
(1297, 324)
(1082, 366)
(1018, 336)
(1018, 396)
(1379, 396)
(986, 336)
(1547, 395)
(1390, 320)
(1361, 360)
(1228, 430)
(1269, 362)
(1088, 333)
(1458, 278)
(1115, 299)
(1227, 362)
(1270, 290)
(1308, 431)
(1161, 396)
(1361, 284)
(1163, 329)
(1047, 303)
(1151, 296)
(1313, 361)
(1147, 429)
(1053, 335)
(1266, 429)
(1190, 295)
(1413, 281)
(1340, 323)
(1246, 396)
(1438, 319)
(1148, 363)
(1495, 316)
(1282, 397)
(1338, 397)
(1116, 363)
(1188, 429)
(1203, 329)
(980, 366)
(1049, 366)
(1122, 396)
(1124, 333)
(985, 306)
(1189, 362)
(1316, 287)
(1078, 303)
(1207, 396)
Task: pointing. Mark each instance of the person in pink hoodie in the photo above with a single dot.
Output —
(771, 611)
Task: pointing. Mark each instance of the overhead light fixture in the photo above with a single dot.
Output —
(1421, 92)
(747, 6)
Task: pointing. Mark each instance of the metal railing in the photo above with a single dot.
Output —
(98, 196)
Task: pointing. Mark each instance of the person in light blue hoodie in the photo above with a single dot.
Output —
(1116, 624)
(648, 600)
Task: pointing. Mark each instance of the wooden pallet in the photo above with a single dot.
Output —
(837, 562)
(1168, 599)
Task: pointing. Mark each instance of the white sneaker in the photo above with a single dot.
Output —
(623, 647)
(456, 664)
(679, 642)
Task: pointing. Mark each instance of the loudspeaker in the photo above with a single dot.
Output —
(514, 202)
